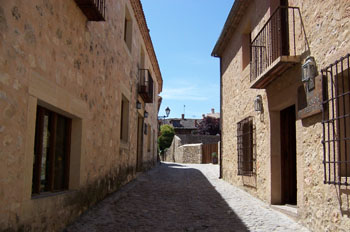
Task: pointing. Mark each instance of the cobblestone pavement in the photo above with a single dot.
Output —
(178, 197)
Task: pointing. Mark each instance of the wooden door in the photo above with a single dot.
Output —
(288, 156)
(207, 150)
(139, 143)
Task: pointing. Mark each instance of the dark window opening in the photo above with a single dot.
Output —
(336, 122)
(124, 122)
(51, 152)
(246, 147)
(128, 29)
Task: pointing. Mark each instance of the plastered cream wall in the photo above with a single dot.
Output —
(320, 207)
(50, 55)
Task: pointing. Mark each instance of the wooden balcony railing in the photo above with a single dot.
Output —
(275, 48)
(146, 85)
(94, 10)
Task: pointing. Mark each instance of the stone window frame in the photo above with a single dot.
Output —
(128, 27)
(246, 159)
(49, 95)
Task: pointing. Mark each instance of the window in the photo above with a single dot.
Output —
(245, 50)
(128, 29)
(51, 152)
(124, 122)
(245, 147)
(154, 142)
(336, 122)
(149, 136)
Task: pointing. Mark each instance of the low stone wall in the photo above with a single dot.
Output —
(192, 154)
(182, 152)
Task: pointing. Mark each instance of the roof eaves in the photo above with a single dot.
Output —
(232, 21)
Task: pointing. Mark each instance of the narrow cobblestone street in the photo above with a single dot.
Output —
(178, 197)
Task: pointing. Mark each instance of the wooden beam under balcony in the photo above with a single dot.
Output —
(276, 69)
(94, 10)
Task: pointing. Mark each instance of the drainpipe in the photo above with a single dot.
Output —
(221, 116)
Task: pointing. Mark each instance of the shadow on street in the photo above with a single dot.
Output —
(170, 197)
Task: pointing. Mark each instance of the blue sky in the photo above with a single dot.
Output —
(184, 33)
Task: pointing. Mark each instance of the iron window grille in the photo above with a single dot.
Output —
(336, 122)
(246, 147)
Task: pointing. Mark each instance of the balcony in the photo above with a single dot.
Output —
(277, 47)
(146, 85)
(94, 10)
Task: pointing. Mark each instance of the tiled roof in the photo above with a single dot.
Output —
(187, 123)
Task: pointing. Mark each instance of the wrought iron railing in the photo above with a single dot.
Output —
(336, 122)
(146, 85)
(277, 38)
(95, 10)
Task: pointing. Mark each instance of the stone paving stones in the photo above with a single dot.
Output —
(182, 197)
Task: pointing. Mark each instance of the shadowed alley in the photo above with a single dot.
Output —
(178, 197)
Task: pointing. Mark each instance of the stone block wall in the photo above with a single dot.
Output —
(321, 207)
(183, 153)
(50, 55)
(192, 154)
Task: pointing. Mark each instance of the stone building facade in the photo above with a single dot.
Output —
(76, 81)
(284, 125)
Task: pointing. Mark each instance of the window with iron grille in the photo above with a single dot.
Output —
(336, 122)
(246, 147)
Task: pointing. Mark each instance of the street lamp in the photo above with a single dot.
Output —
(167, 112)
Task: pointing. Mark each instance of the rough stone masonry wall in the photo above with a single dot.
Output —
(187, 153)
(237, 104)
(89, 66)
(324, 207)
(321, 207)
(192, 154)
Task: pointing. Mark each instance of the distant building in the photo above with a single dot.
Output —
(212, 114)
(183, 125)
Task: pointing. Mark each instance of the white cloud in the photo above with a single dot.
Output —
(183, 93)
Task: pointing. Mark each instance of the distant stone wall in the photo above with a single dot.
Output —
(188, 153)
(191, 153)
(205, 139)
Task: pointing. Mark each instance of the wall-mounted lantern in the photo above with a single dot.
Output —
(258, 105)
(138, 105)
(309, 72)
(145, 114)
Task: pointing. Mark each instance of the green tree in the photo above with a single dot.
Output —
(167, 133)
